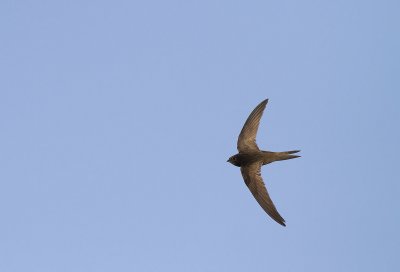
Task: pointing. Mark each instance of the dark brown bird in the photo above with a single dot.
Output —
(250, 159)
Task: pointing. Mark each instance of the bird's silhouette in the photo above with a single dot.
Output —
(250, 159)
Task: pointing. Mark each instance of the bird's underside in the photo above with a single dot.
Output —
(250, 159)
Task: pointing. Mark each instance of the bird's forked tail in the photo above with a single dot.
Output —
(287, 155)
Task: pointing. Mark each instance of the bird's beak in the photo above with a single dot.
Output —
(227, 160)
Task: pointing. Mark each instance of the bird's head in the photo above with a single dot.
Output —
(234, 160)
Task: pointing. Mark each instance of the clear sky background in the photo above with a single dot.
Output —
(117, 118)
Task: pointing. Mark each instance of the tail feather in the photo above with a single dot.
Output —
(287, 155)
(291, 152)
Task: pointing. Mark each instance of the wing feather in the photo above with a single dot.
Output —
(247, 137)
(253, 179)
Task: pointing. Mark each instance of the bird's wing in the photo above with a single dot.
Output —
(247, 137)
(252, 177)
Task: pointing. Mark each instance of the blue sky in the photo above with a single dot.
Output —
(117, 118)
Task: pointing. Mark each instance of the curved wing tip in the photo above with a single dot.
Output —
(282, 223)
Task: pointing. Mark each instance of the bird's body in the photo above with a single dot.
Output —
(266, 157)
(250, 159)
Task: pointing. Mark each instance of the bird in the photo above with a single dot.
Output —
(250, 159)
